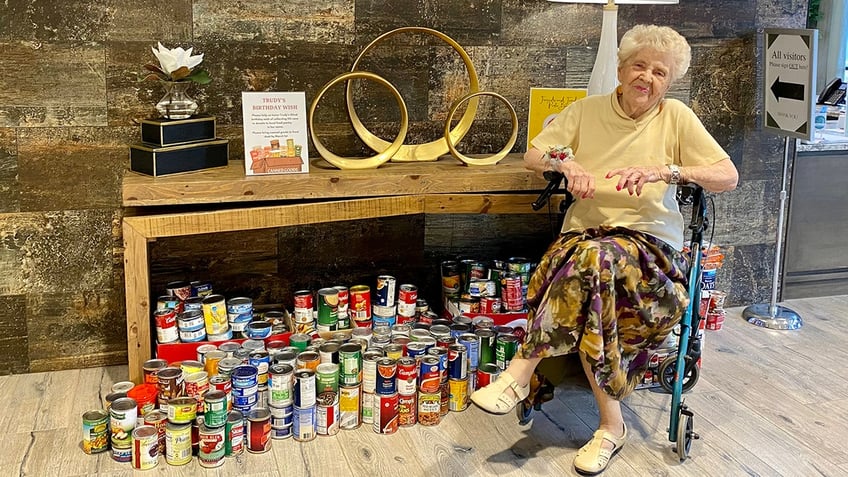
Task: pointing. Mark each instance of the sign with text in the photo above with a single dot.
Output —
(275, 135)
(789, 65)
(545, 104)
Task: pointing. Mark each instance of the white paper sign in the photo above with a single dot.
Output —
(275, 135)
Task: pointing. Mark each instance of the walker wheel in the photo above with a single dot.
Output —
(524, 410)
(685, 434)
(667, 369)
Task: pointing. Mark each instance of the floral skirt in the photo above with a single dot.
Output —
(613, 294)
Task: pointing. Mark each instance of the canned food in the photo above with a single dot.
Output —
(407, 410)
(177, 443)
(122, 386)
(110, 398)
(121, 454)
(360, 303)
(385, 293)
(487, 373)
(182, 410)
(280, 387)
(349, 407)
(304, 388)
(145, 448)
(486, 340)
(344, 299)
(245, 376)
(215, 314)
(328, 309)
(180, 289)
(95, 431)
(505, 348)
(458, 399)
(212, 445)
(215, 408)
(258, 330)
(158, 419)
(151, 369)
(327, 378)
(303, 427)
(457, 362)
(145, 397)
(259, 431)
(429, 375)
(350, 364)
(192, 320)
(193, 303)
(386, 376)
(407, 376)
(166, 325)
(200, 288)
(303, 306)
(122, 420)
(368, 407)
(329, 352)
(407, 299)
(327, 414)
(385, 413)
(234, 444)
(281, 416)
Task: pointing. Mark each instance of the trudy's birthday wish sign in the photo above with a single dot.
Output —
(275, 135)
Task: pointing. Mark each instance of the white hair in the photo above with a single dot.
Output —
(660, 38)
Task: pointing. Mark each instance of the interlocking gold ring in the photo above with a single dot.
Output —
(389, 149)
(481, 161)
(418, 152)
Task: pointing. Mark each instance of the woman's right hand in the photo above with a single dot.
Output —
(580, 183)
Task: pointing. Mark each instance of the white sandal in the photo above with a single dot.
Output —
(592, 458)
(494, 398)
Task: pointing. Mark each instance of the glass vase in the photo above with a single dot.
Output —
(176, 104)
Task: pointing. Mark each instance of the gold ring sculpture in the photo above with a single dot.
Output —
(418, 152)
(482, 161)
(389, 149)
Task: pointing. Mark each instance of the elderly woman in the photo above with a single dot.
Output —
(613, 285)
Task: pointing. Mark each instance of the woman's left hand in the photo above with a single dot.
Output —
(633, 178)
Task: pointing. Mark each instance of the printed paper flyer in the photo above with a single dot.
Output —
(275, 135)
(545, 104)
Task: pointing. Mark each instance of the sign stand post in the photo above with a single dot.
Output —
(789, 61)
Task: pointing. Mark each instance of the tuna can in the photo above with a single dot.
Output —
(328, 309)
(386, 413)
(145, 448)
(308, 360)
(487, 373)
(407, 298)
(349, 407)
(244, 376)
(360, 303)
(215, 408)
(407, 376)
(122, 420)
(329, 352)
(193, 336)
(505, 348)
(327, 378)
(458, 389)
(167, 301)
(234, 429)
(212, 445)
(151, 369)
(457, 362)
(193, 303)
(180, 289)
(158, 419)
(95, 431)
(200, 288)
(182, 410)
(280, 384)
(327, 414)
(304, 388)
(215, 314)
(258, 330)
(429, 375)
(386, 376)
(303, 306)
(240, 309)
(407, 410)
(259, 431)
(225, 336)
(191, 320)
(261, 360)
(229, 348)
(281, 416)
(367, 406)
(121, 454)
(350, 364)
(303, 427)
(177, 443)
(166, 325)
(385, 293)
(486, 340)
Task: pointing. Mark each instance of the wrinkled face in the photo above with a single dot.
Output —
(645, 78)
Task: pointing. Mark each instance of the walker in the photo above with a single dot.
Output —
(680, 430)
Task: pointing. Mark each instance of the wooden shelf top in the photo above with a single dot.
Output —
(230, 184)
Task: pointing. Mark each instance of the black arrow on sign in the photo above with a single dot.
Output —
(787, 90)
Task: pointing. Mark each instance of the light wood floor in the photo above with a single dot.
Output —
(769, 403)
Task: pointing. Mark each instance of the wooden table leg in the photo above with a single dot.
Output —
(137, 282)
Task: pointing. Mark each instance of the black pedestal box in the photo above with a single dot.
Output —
(160, 161)
(171, 132)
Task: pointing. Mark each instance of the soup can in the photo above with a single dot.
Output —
(193, 303)
(122, 420)
(486, 374)
(329, 352)
(303, 306)
(344, 300)
(215, 408)
(349, 407)
(385, 413)
(145, 448)
(158, 419)
(407, 298)
(177, 443)
(407, 409)
(386, 376)
(234, 429)
(429, 375)
(327, 378)
(360, 303)
(407, 376)
(259, 431)
(350, 364)
(95, 431)
(182, 410)
(151, 369)
(212, 445)
(166, 325)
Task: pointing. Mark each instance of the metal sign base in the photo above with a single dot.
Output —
(782, 319)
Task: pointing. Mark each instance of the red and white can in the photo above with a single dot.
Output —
(386, 413)
(327, 414)
(407, 297)
(166, 325)
(360, 303)
(407, 376)
(344, 299)
(512, 295)
(407, 410)
(490, 304)
(304, 303)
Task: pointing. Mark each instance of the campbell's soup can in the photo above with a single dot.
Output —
(344, 299)
(386, 413)
(407, 410)
(360, 303)
(166, 325)
(407, 376)
(303, 306)
(407, 299)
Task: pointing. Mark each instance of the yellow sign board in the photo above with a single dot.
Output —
(545, 104)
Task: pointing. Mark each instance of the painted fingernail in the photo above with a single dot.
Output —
(618, 187)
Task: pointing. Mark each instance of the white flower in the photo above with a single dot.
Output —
(172, 60)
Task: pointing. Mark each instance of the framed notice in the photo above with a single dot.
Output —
(545, 104)
(275, 135)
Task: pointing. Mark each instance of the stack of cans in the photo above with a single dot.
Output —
(239, 315)
(280, 401)
(304, 397)
(192, 326)
(385, 405)
(245, 387)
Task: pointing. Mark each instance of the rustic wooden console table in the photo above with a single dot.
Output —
(225, 200)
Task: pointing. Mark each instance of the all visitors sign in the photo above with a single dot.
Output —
(789, 64)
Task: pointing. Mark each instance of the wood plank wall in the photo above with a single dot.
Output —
(70, 96)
